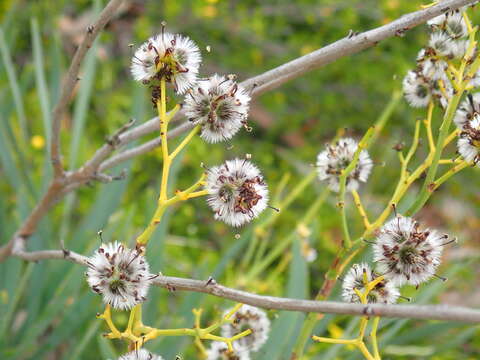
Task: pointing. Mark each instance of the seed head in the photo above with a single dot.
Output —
(174, 57)
(385, 292)
(332, 161)
(220, 105)
(119, 274)
(237, 191)
(451, 23)
(407, 254)
(248, 317)
(469, 141)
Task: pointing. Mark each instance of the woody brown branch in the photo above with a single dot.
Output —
(210, 286)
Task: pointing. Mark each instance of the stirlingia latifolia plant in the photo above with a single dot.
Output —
(372, 266)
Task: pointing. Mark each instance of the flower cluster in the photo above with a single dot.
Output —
(335, 158)
(119, 274)
(237, 191)
(467, 120)
(247, 317)
(430, 80)
(404, 254)
(218, 103)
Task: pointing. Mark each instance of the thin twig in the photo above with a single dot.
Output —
(71, 79)
(431, 312)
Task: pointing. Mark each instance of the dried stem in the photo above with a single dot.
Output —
(432, 312)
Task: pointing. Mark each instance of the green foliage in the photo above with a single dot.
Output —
(46, 309)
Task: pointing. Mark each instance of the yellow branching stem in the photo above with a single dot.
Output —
(361, 210)
(137, 334)
(163, 201)
(362, 145)
(359, 341)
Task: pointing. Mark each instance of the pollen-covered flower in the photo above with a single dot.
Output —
(219, 351)
(237, 191)
(431, 68)
(452, 23)
(406, 254)
(469, 140)
(416, 89)
(220, 105)
(119, 274)
(468, 110)
(443, 45)
(332, 161)
(384, 292)
(248, 317)
(140, 354)
(174, 57)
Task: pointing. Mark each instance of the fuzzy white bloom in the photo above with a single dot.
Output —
(384, 292)
(469, 141)
(220, 105)
(219, 351)
(237, 191)
(171, 56)
(140, 354)
(336, 158)
(431, 68)
(467, 111)
(444, 45)
(416, 90)
(452, 23)
(406, 254)
(248, 317)
(119, 274)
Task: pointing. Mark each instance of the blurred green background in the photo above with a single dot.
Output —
(46, 309)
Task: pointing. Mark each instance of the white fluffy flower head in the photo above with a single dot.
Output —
(443, 45)
(219, 351)
(220, 105)
(237, 191)
(406, 254)
(140, 354)
(416, 90)
(468, 110)
(385, 292)
(452, 23)
(469, 141)
(336, 158)
(174, 57)
(119, 274)
(248, 317)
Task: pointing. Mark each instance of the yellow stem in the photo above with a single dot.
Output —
(197, 194)
(361, 210)
(362, 347)
(184, 142)
(428, 126)
(335, 341)
(373, 334)
(451, 137)
(162, 111)
(363, 326)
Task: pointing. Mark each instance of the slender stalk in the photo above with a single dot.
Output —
(162, 115)
(185, 141)
(373, 335)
